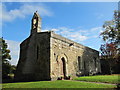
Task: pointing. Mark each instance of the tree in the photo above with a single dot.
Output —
(111, 35)
(108, 52)
(111, 31)
(6, 66)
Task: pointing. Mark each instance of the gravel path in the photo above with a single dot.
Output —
(95, 82)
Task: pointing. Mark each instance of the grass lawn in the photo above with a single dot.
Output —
(56, 84)
(100, 78)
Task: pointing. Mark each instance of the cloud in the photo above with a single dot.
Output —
(95, 32)
(78, 37)
(95, 29)
(77, 34)
(14, 50)
(23, 11)
(72, 34)
(99, 15)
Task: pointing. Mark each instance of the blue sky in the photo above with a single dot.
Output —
(79, 21)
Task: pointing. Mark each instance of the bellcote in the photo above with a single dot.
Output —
(36, 23)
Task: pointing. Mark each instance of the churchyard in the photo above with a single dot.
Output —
(105, 81)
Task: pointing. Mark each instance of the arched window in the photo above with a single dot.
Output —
(64, 66)
(79, 63)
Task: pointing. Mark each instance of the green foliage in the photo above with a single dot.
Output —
(111, 35)
(100, 78)
(5, 58)
(56, 84)
(111, 31)
(5, 52)
(13, 69)
(111, 49)
(5, 70)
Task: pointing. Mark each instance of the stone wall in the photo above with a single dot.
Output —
(43, 67)
(48, 56)
(34, 61)
(80, 60)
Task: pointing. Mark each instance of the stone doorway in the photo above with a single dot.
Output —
(63, 67)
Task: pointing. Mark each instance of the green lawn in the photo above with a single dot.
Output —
(56, 84)
(100, 78)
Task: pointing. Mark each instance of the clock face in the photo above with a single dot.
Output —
(34, 21)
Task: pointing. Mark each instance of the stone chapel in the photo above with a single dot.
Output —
(49, 56)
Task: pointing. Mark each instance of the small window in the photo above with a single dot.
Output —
(79, 63)
(95, 62)
(84, 65)
(37, 52)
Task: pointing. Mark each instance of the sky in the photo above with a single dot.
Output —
(79, 21)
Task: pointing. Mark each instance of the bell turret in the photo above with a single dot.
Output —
(36, 23)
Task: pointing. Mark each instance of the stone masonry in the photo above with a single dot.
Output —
(48, 56)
